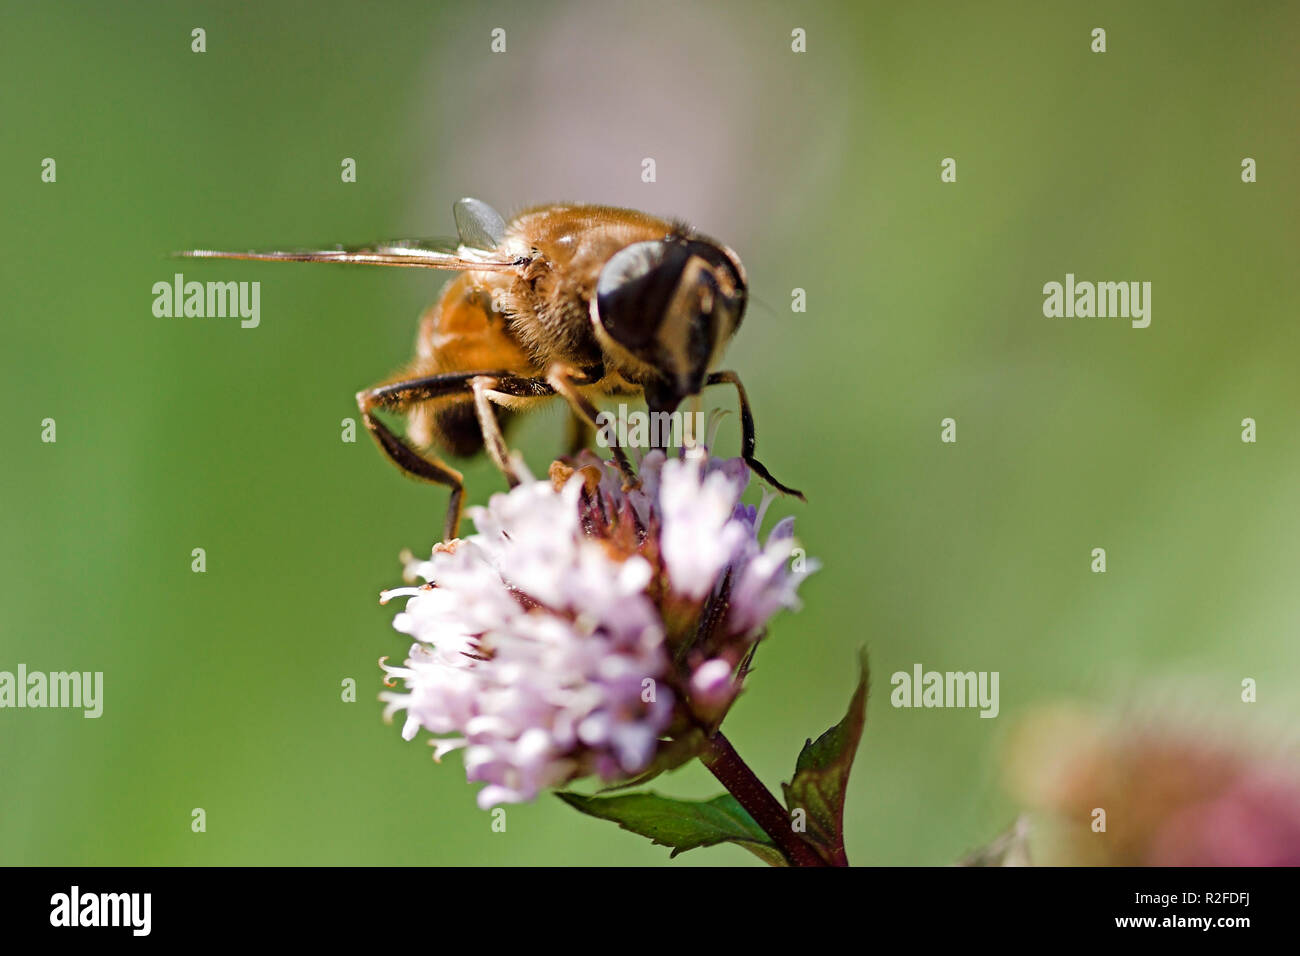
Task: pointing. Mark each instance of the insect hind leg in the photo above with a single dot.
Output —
(402, 395)
(424, 468)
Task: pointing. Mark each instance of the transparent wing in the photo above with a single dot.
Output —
(411, 253)
(478, 224)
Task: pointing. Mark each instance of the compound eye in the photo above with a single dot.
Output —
(633, 293)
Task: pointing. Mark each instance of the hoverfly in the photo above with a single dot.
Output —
(574, 301)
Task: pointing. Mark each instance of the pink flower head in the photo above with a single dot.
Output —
(586, 625)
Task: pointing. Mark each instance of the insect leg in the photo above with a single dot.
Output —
(561, 378)
(579, 433)
(748, 441)
(401, 395)
(493, 440)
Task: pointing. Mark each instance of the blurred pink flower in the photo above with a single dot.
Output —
(1171, 795)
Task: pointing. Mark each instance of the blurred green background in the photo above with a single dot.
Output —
(222, 690)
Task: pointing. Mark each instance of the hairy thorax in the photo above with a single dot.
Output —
(550, 303)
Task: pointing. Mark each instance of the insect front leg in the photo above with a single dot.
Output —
(748, 440)
(579, 434)
(565, 382)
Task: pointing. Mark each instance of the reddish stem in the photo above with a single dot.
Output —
(741, 782)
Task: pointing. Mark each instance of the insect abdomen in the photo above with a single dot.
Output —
(456, 429)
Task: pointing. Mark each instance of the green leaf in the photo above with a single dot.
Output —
(821, 776)
(681, 824)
